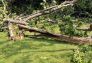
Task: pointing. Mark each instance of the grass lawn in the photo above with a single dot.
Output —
(34, 50)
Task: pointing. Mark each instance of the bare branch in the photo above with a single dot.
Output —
(16, 21)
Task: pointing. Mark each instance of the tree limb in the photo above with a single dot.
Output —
(16, 21)
(71, 39)
(49, 10)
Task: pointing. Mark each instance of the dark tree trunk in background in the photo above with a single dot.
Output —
(91, 26)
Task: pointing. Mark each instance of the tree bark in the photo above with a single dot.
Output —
(15, 36)
(70, 39)
(16, 21)
(21, 33)
(11, 31)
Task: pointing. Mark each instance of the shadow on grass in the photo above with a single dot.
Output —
(24, 59)
(4, 41)
(14, 48)
(49, 50)
(48, 39)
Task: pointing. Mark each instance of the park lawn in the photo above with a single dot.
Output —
(34, 50)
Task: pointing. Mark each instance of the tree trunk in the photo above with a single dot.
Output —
(21, 34)
(11, 31)
(71, 39)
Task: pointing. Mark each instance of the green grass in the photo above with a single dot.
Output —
(34, 50)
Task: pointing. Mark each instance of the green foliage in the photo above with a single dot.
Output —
(83, 8)
(69, 10)
(82, 54)
(77, 56)
(3, 12)
(69, 27)
(28, 6)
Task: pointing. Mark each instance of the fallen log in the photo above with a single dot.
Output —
(71, 39)
(11, 32)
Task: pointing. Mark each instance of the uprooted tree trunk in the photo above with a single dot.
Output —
(72, 39)
(11, 31)
(12, 34)
(21, 33)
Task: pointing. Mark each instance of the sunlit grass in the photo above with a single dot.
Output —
(34, 50)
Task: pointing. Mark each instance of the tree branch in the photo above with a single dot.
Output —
(16, 21)
(71, 39)
(49, 10)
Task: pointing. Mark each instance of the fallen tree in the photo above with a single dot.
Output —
(46, 11)
(71, 39)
